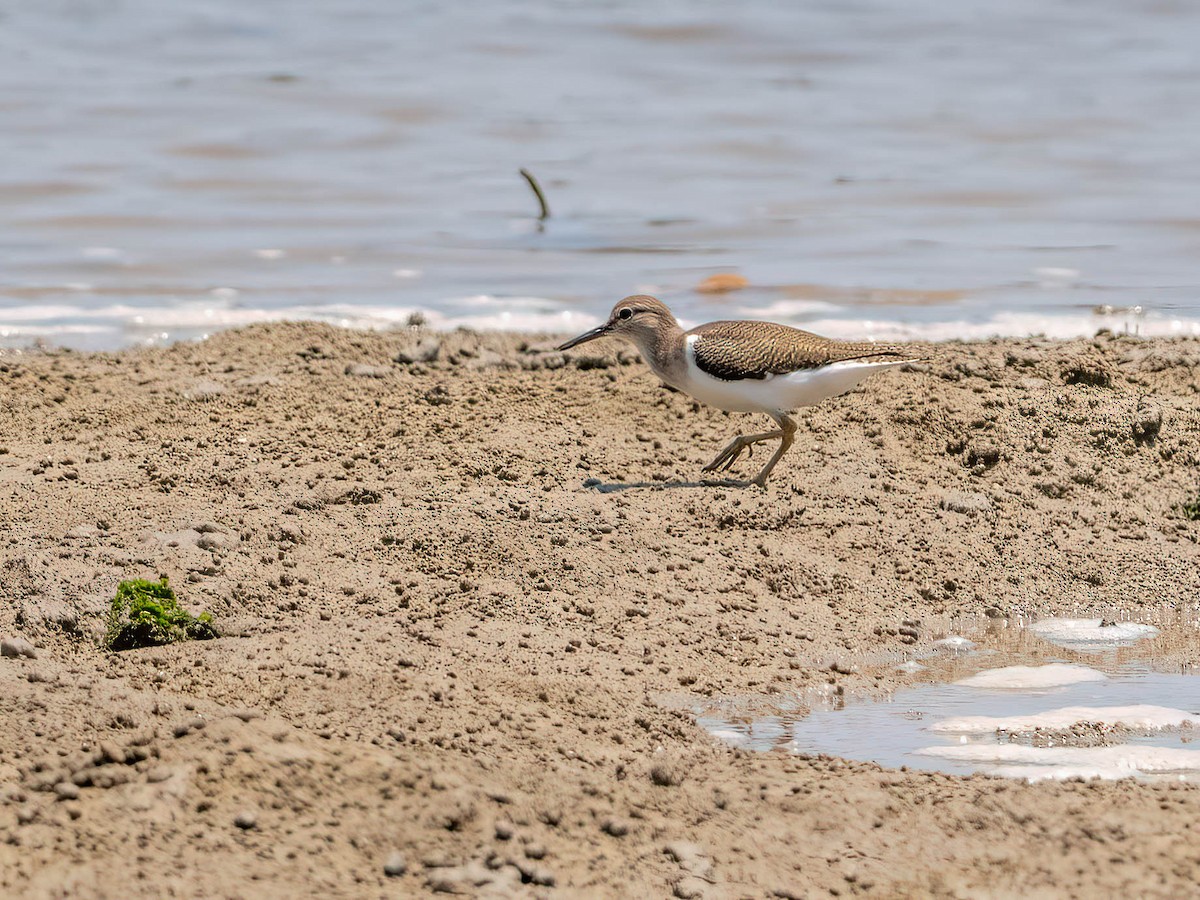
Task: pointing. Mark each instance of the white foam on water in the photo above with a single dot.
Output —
(221, 309)
(1032, 678)
(730, 736)
(955, 643)
(789, 309)
(7, 331)
(1090, 634)
(1037, 763)
(182, 316)
(1059, 327)
(1142, 718)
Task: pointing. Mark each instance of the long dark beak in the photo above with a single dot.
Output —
(597, 332)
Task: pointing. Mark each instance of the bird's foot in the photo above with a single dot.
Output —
(734, 449)
(727, 457)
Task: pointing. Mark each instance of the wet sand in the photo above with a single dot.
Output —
(470, 600)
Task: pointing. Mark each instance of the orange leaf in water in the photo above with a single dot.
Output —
(721, 283)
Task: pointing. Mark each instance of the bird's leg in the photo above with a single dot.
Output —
(787, 432)
(734, 448)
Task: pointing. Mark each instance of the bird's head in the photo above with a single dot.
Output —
(637, 319)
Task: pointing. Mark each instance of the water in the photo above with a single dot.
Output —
(900, 732)
(890, 169)
(1142, 720)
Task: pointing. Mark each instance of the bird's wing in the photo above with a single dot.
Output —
(733, 351)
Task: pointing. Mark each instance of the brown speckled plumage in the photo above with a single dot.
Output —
(734, 351)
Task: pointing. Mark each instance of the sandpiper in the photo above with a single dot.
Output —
(745, 366)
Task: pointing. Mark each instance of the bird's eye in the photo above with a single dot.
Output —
(626, 313)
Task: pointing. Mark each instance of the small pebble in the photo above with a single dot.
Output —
(204, 390)
(689, 887)
(426, 350)
(966, 503)
(215, 540)
(362, 370)
(395, 865)
(109, 753)
(667, 774)
(615, 827)
(246, 820)
(66, 790)
(186, 728)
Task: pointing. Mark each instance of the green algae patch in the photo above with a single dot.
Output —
(1190, 509)
(147, 614)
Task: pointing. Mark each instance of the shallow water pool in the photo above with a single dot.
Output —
(1107, 717)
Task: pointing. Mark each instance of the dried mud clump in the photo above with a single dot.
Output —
(1147, 423)
(1087, 370)
(147, 614)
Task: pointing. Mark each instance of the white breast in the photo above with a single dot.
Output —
(778, 393)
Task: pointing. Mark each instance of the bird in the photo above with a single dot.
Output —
(745, 366)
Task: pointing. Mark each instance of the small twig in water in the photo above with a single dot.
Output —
(537, 190)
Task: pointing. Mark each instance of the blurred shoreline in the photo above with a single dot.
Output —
(93, 329)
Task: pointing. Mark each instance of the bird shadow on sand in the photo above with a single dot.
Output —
(613, 487)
